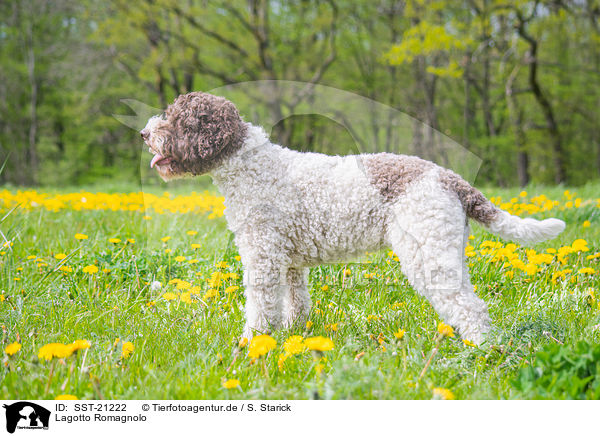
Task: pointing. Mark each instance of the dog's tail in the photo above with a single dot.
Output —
(499, 222)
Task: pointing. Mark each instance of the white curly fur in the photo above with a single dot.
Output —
(291, 210)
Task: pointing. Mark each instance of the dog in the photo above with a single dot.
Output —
(290, 210)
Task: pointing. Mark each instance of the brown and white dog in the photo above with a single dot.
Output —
(291, 210)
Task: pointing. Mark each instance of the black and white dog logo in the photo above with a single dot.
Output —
(26, 415)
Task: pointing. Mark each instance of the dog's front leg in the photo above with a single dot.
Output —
(264, 283)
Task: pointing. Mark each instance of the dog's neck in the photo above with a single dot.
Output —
(246, 165)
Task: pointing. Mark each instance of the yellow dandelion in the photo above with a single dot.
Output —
(58, 350)
(130, 241)
(168, 250)
(443, 394)
(191, 232)
(243, 342)
(65, 397)
(80, 236)
(586, 224)
(165, 239)
(445, 330)
(180, 259)
(399, 334)
(182, 285)
(319, 343)
(12, 349)
(294, 345)
(60, 256)
(231, 289)
(90, 269)
(211, 293)
(195, 246)
(309, 324)
(261, 345)
(231, 384)
(186, 297)
(468, 343)
(238, 258)
(169, 296)
(114, 240)
(128, 348)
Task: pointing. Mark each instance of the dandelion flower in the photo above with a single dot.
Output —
(65, 397)
(243, 342)
(165, 239)
(186, 297)
(309, 324)
(114, 240)
(399, 334)
(445, 330)
(90, 269)
(79, 344)
(196, 246)
(127, 349)
(58, 350)
(60, 256)
(180, 259)
(80, 236)
(294, 345)
(586, 224)
(231, 384)
(182, 285)
(169, 296)
(231, 289)
(443, 394)
(261, 345)
(319, 343)
(12, 348)
(192, 232)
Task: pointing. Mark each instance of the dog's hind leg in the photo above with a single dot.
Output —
(431, 254)
(298, 299)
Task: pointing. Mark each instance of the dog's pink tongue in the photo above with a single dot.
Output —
(155, 159)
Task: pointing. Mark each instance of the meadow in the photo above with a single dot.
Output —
(109, 295)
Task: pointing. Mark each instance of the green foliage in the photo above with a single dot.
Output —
(463, 69)
(562, 372)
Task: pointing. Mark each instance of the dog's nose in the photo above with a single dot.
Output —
(145, 134)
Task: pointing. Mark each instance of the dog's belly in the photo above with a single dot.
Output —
(317, 241)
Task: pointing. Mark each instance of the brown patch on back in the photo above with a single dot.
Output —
(392, 173)
(474, 203)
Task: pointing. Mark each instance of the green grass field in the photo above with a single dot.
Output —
(181, 341)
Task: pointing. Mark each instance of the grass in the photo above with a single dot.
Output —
(187, 347)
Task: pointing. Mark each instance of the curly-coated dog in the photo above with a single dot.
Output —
(291, 210)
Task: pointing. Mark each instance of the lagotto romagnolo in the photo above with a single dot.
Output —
(291, 210)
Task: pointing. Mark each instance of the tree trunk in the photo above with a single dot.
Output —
(32, 157)
(542, 100)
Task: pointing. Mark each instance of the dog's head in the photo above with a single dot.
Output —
(194, 135)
